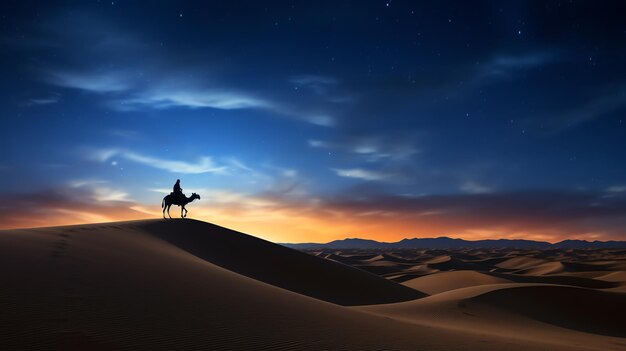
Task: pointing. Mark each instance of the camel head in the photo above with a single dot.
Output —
(195, 196)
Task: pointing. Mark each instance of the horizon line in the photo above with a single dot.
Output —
(303, 242)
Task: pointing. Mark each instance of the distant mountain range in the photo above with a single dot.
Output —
(450, 243)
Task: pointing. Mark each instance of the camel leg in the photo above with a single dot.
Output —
(186, 213)
(164, 207)
(168, 211)
(182, 208)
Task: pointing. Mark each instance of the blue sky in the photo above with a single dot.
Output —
(314, 121)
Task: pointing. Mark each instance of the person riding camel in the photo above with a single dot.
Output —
(178, 191)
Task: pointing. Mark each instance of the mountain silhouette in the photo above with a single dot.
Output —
(450, 243)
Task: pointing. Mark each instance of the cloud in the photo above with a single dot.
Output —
(363, 174)
(97, 82)
(320, 120)
(145, 78)
(123, 92)
(85, 183)
(372, 148)
(616, 189)
(239, 165)
(200, 98)
(45, 100)
(504, 66)
(542, 215)
(81, 201)
(472, 187)
(309, 79)
(523, 61)
(318, 84)
(188, 95)
(99, 191)
(204, 164)
(552, 215)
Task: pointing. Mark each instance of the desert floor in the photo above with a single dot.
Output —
(190, 285)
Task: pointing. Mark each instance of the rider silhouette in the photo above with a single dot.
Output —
(178, 191)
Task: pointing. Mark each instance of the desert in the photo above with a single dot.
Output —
(186, 284)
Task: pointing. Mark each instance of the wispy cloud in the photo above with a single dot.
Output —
(99, 191)
(145, 79)
(131, 92)
(93, 81)
(617, 189)
(200, 98)
(45, 100)
(310, 79)
(358, 173)
(504, 66)
(472, 187)
(67, 204)
(523, 61)
(372, 148)
(318, 84)
(552, 214)
(204, 164)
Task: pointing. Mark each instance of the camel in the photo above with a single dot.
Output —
(182, 200)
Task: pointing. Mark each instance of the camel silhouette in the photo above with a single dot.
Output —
(181, 200)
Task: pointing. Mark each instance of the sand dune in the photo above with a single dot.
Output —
(581, 282)
(445, 281)
(557, 315)
(188, 285)
(587, 310)
(544, 268)
(259, 259)
(522, 294)
(521, 262)
(119, 286)
(439, 259)
(619, 276)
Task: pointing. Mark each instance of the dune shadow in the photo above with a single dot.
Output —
(586, 310)
(557, 279)
(280, 266)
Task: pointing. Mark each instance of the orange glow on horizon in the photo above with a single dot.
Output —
(293, 226)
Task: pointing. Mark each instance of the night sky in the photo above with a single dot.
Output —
(314, 121)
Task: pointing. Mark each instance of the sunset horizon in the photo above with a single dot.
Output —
(322, 235)
(313, 175)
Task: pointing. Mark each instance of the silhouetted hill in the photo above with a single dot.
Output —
(583, 244)
(450, 243)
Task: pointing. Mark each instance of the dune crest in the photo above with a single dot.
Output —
(446, 281)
